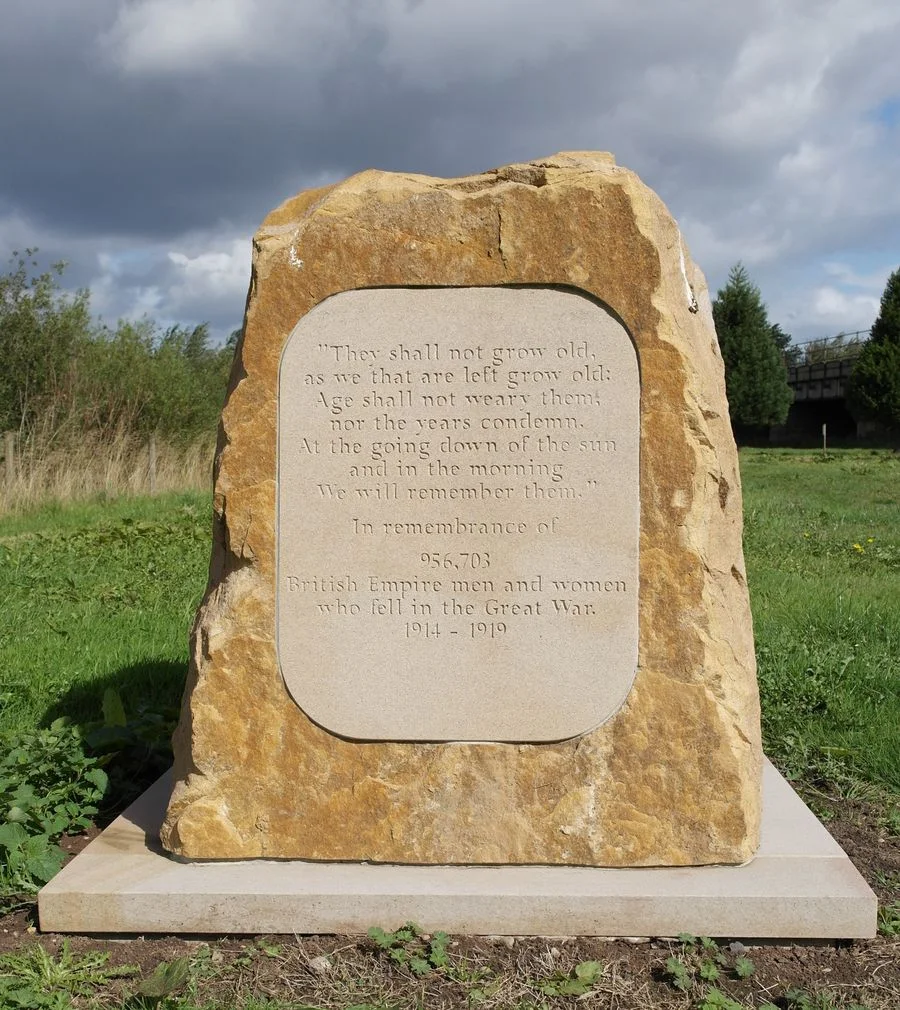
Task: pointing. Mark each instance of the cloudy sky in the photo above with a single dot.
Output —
(143, 141)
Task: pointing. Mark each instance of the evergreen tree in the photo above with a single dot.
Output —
(790, 352)
(755, 372)
(873, 392)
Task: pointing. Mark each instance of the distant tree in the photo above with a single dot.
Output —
(41, 329)
(144, 380)
(782, 339)
(791, 353)
(752, 348)
(873, 390)
(64, 374)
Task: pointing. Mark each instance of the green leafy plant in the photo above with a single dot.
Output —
(715, 999)
(743, 967)
(175, 984)
(889, 919)
(409, 949)
(135, 749)
(873, 391)
(26, 862)
(41, 328)
(708, 970)
(252, 952)
(800, 999)
(53, 781)
(583, 977)
(889, 821)
(700, 962)
(678, 973)
(49, 785)
(167, 979)
(755, 373)
(16, 996)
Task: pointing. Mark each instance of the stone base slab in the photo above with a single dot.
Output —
(800, 885)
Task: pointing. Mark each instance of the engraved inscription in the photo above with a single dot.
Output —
(458, 514)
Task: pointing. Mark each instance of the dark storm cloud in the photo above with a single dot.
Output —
(148, 139)
(160, 153)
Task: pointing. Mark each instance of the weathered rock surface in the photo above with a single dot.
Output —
(673, 778)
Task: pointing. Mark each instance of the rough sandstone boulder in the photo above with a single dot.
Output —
(673, 778)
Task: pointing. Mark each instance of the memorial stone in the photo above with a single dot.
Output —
(477, 591)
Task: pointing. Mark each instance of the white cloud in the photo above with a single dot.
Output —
(845, 300)
(846, 275)
(841, 310)
(207, 282)
(717, 247)
(433, 44)
(117, 294)
(170, 35)
(213, 275)
(780, 79)
(196, 36)
(429, 42)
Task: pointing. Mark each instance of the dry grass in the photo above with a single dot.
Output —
(58, 466)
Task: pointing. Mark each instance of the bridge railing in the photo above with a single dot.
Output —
(841, 347)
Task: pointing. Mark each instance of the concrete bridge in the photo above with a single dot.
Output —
(817, 373)
(819, 369)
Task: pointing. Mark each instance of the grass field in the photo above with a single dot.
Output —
(822, 543)
(98, 596)
(102, 595)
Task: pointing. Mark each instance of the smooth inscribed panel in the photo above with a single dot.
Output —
(458, 514)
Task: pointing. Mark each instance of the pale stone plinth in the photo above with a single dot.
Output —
(800, 885)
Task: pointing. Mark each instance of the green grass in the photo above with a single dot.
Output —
(102, 596)
(98, 597)
(822, 543)
(95, 597)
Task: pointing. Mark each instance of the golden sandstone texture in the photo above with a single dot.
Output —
(673, 778)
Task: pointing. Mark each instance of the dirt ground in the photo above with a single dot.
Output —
(341, 971)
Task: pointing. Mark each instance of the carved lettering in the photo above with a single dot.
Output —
(458, 475)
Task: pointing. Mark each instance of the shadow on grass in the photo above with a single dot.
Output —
(133, 737)
(152, 685)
